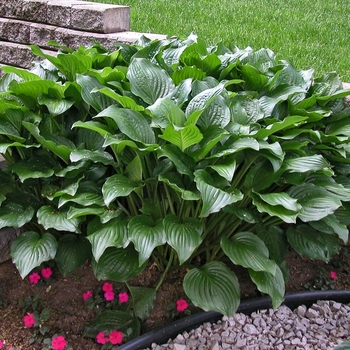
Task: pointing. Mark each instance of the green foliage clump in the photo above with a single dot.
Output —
(174, 153)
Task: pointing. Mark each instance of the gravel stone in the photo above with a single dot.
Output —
(324, 325)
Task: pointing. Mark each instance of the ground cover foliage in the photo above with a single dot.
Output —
(178, 154)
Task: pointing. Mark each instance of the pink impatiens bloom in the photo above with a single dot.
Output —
(34, 278)
(1, 344)
(116, 337)
(107, 287)
(101, 338)
(59, 343)
(181, 305)
(46, 272)
(333, 275)
(87, 295)
(123, 297)
(29, 320)
(109, 296)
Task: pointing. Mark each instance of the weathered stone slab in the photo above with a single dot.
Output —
(102, 18)
(18, 55)
(7, 236)
(347, 98)
(41, 34)
(34, 11)
(14, 30)
(11, 8)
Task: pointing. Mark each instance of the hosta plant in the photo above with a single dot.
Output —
(177, 154)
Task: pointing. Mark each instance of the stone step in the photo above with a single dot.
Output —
(7, 236)
(80, 15)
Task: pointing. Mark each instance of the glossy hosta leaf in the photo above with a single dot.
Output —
(114, 233)
(15, 215)
(275, 241)
(182, 137)
(74, 212)
(213, 287)
(214, 199)
(72, 252)
(303, 164)
(95, 99)
(183, 236)
(146, 235)
(253, 78)
(118, 264)
(313, 244)
(131, 123)
(278, 126)
(94, 156)
(316, 202)
(235, 146)
(31, 249)
(142, 300)
(203, 99)
(100, 128)
(117, 186)
(217, 113)
(249, 251)
(165, 111)
(35, 167)
(114, 320)
(269, 284)
(56, 106)
(330, 224)
(149, 81)
(49, 217)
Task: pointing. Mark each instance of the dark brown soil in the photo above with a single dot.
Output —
(69, 315)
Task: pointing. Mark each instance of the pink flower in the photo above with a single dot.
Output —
(181, 305)
(333, 275)
(101, 338)
(107, 287)
(109, 296)
(116, 337)
(2, 343)
(34, 278)
(123, 297)
(59, 343)
(87, 295)
(46, 272)
(29, 320)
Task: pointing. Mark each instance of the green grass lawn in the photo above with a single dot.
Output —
(309, 34)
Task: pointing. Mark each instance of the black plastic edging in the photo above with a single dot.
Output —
(171, 330)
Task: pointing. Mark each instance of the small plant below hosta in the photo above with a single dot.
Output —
(325, 281)
(176, 154)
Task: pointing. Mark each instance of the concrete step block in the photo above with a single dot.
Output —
(77, 14)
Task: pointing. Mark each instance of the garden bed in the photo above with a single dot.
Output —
(69, 315)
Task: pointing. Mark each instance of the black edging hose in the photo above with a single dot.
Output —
(171, 330)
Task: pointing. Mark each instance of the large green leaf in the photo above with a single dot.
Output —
(214, 199)
(114, 320)
(31, 249)
(313, 244)
(131, 123)
(249, 251)
(72, 252)
(56, 106)
(316, 202)
(15, 215)
(89, 92)
(143, 301)
(182, 137)
(303, 164)
(213, 287)
(117, 186)
(149, 81)
(275, 240)
(331, 224)
(269, 284)
(146, 235)
(96, 156)
(49, 217)
(183, 236)
(35, 167)
(111, 234)
(117, 264)
(165, 111)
